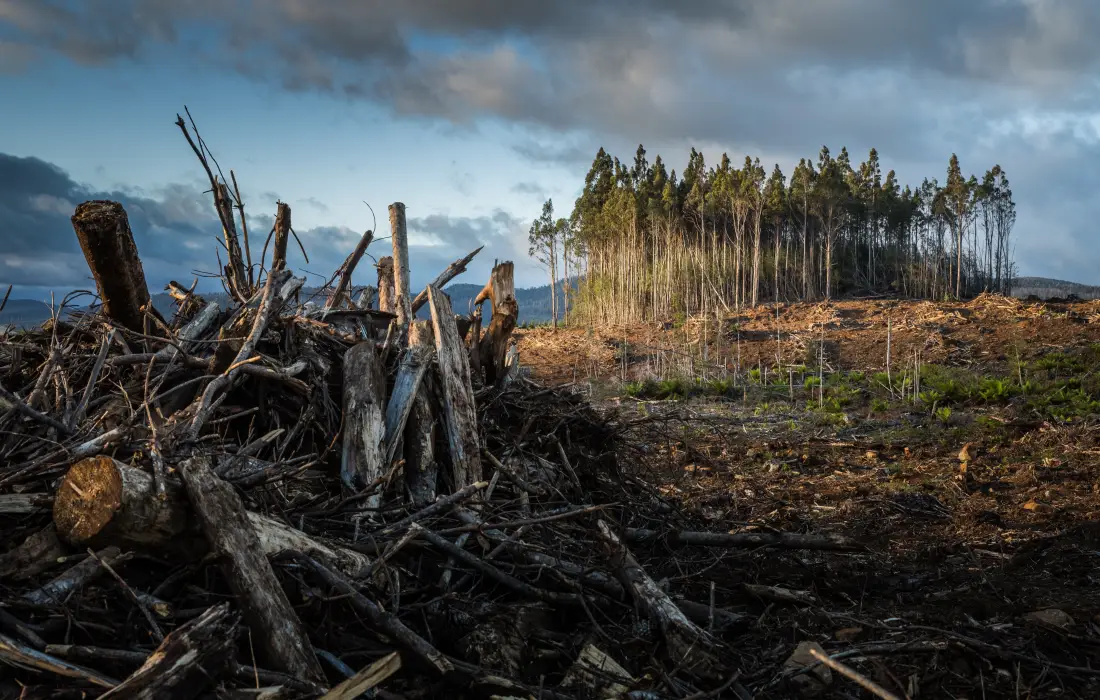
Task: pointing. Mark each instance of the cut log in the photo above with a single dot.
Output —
(501, 291)
(410, 372)
(386, 301)
(188, 661)
(101, 499)
(282, 236)
(400, 239)
(687, 644)
(453, 270)
(20, 655)
(421, 470)
(103, 230)
(103, 502)
(361, 461)
(274, 624)
(459, 410)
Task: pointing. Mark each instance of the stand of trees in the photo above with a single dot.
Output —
(649, 245)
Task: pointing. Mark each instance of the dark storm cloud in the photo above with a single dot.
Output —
(176, 232)
(38, 247)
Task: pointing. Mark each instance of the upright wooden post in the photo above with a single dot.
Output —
(400, 239)
(421, 470)
(103, 230)
(282, 236)
(385, 285)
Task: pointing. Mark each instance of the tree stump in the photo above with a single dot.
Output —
(459, 410)
(400, 240)
(103, 230)
(386, 301)
(501, 292)
(364, 419)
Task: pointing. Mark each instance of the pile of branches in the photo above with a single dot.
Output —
(321, 496)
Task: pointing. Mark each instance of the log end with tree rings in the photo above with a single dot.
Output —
(103, 499)
(88, 499)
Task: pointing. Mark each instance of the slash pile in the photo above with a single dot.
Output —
(302, 497)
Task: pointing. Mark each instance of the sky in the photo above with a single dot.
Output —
(473, 112)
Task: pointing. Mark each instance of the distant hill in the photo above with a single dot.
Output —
(1046, 288)
(24, 312)
(534, 305)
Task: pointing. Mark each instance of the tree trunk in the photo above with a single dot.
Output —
(362, 458)
(459, 410)
(400, 239)
(103, 230)
(421, 470)
(282, 236)
(103, 502)
(274, 624)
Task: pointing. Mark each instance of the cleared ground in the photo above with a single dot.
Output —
(971, 471)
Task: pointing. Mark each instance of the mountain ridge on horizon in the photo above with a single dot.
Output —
(534, 302)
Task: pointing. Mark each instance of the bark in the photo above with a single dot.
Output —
(274, 624)
(103, 230)
(386, 301)
(362, 459)
(400, 239)
(75, 577)
(20, 655)
(501, 292)
(459, 410)
(475, 345)
(101, 499)
(421, 470)
(103, 502)
(235, 269)
(282, 236)
(410, 373)
(187, 662)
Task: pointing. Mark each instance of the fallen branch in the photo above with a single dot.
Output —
(186, 663)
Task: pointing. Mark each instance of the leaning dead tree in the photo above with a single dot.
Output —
(221, 502)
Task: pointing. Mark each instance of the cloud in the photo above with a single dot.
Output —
(532, 189)
(996, 81)
(177, 233)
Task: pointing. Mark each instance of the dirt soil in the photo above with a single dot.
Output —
(985, 331)
(981, 577)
